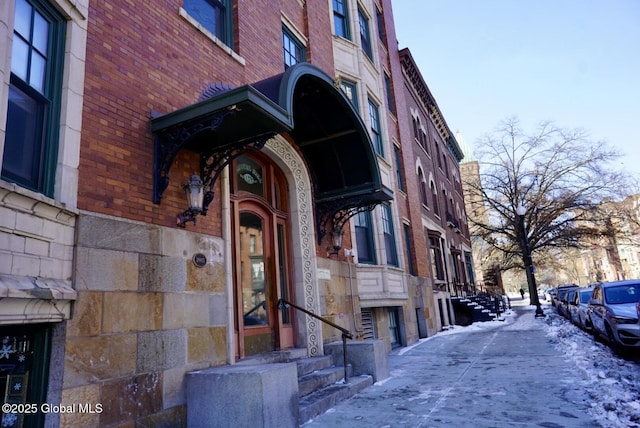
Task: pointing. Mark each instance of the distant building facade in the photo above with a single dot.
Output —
(436, 217)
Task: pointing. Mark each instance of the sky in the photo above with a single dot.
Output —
(573, 62)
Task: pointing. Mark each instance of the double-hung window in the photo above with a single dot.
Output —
(436, 258)
(214, 16)
(351, 91)
(380, 22)
(389, 91)
(365, 34)
(423, 187)
(434, 196)
(33, 113)
(399, 170)
(293, 50)
(408, 250)
(364, 238)
(389, 236)
(376, 131)
(341, 19)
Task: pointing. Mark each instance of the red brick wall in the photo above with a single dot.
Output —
(409, 206)
(146, 58)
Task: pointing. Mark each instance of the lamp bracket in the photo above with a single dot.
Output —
(337, 213)
(187, 216)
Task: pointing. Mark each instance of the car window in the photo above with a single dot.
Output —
(623, 294)
(585, 296)
(597, 294)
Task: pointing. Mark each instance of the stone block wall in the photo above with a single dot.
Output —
(36, 235)
(339, 298)
(145, 316)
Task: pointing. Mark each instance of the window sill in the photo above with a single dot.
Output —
(6, 188)
(191, 20)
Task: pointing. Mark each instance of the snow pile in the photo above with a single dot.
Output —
(612, 382)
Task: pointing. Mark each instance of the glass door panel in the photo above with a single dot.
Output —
(252, 262)
(283, 274)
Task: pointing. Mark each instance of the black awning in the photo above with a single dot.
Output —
(301, 101)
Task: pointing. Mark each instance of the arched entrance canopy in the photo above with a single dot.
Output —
(301, 101)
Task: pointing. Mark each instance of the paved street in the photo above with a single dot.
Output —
(509, 375)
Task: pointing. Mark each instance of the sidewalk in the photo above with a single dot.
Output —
(495, 374)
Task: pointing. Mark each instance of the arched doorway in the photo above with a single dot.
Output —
(262, 261)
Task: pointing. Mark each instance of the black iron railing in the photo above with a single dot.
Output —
(346, 334)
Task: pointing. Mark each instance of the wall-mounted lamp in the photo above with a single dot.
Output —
(336, 238)
(194, 192)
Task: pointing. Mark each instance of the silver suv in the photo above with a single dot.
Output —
(613, 313)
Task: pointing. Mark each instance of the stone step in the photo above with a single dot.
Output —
(312, 364)
(283, 356)
(320, 401)
(319, 379)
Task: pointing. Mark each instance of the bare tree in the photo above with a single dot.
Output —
(560, 176)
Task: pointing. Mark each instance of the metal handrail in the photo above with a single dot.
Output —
(346, 334)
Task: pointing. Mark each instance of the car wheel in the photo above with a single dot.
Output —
(613, 343)
(588, 325)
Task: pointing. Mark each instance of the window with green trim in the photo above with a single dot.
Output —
(341, 19)
(25, 352)
(213, 15)
(389, 235)
(365, 34)
(33, 113)
(351, 91)
(364, 238)
(293, 50)
(376, 131)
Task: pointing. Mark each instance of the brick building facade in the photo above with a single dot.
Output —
(297, 116)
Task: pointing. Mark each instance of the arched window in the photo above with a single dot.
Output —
(434, 195)
(423, 187)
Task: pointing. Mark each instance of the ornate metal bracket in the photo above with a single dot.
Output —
(215, 160)
(337, 213)
(168, 144)
(213, 157)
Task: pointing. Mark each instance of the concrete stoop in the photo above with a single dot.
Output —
(281, 389)
(470, 310)
(321, 386)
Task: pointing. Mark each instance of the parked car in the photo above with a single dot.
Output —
(552, 296)
(561, 298)
(578, 307)
(566, 302)
(613, 311)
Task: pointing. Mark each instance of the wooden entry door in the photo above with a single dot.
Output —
(261, 259)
